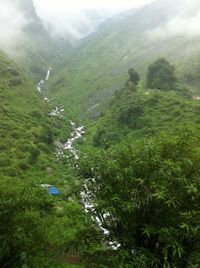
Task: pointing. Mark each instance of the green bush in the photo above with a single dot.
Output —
(161, 75)
(150, 190)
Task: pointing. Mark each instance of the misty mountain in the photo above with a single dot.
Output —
(26, 40)
(91, 75)
(99, 162)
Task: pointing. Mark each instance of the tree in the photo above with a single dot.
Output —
(147, 194)
(133, 80)
(134, 76)
(161, 75)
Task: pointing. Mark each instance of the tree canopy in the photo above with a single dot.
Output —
(134, 76)
(147, 195)
(161, 75)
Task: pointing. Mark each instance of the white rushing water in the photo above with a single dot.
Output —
(57, 111)
(39, 86)
(86, 195)
(41, 83)
(76, 134)
(48, 74)
(89, 207)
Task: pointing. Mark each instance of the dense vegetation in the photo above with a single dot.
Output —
(161, 75)
(145, 111)
(132, 198)
(36, 230)
(132, 185)
(146, 193)
(26, 134)
(145, 183)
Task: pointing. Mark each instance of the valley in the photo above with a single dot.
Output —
(110, 121)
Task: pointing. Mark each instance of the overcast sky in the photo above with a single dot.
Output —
(71, 17)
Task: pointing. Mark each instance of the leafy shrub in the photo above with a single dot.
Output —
(161, 75)
(23, 234)
(147, 193)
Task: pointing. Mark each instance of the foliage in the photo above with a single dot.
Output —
(36, 230)
(146, 193)
(134, 79)
(34, 154)
(134, 76)
(145, 112)
(161, 75)
(23, 215)
(39, 231)
(26, 131)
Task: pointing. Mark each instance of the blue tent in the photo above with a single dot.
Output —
(53, 191)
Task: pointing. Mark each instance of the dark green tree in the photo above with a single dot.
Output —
(133, 76)
(161, 75)
(133, 80)
(147, 195)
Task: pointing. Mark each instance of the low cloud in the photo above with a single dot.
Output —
(12, 22)
(185, 23)
(62, 18)
(78, 18)
(76, 24)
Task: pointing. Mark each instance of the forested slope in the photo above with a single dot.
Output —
(143, 174)
(148, 108)
(91, 75)
(129, 193)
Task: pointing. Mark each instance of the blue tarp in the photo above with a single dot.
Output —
(53, 191)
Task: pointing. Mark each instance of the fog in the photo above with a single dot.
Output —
(79, 18)
(12, 22)
(185, 23)
(63, 18)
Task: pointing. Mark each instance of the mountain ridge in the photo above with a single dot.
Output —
(95, 70)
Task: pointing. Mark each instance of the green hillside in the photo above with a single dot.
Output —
(141, 165)
(37, 230)
(24, 122)
(141, 112)
(123, 191)
(89, 77)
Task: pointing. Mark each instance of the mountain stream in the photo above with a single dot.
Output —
(76, 134)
